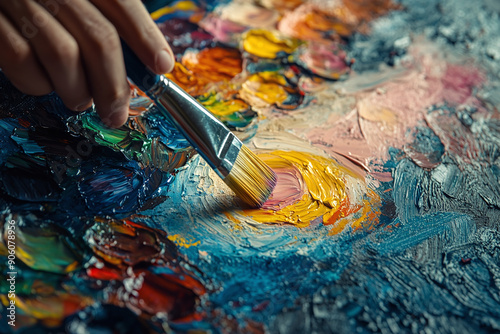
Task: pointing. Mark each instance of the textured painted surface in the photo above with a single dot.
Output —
(381, 121)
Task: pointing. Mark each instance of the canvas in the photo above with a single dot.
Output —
(380, 119)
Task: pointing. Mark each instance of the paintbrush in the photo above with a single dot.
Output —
(245, 173)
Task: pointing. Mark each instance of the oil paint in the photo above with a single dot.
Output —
(380, 119)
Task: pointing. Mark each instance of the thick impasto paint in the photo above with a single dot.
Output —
(381, 121)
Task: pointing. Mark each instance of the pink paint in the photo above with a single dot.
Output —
(289, 189)
(222, 30)
(249, 15)
(456, 138)
(325, 59)
(421, 159)
(459, 82)
(293, 18)
(382, 176)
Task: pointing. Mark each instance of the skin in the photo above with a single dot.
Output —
(73, 47)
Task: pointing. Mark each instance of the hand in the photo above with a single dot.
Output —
(73, 47)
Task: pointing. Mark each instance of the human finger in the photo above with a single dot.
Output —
(100, 48)
(56, 50)
(19, 63)
(137, 28)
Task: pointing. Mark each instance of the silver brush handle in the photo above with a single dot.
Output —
(212, 139)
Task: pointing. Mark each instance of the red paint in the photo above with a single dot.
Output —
(105, 274)
(260, 307)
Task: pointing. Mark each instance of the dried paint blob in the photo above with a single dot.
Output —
(235, 113)
(145, 265)
(49, 305)
(327, 60)
(311, 188)
(200, 70)
(309, 22)
(214, 64)
(45, 247)
(268, 44)
(265, 89)
(249, 15)
(332, 20)
(281, 5)
(184, 9)
(225, 31)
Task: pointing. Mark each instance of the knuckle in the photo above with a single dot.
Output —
(118, 97)
(115, 99)
(148, 33)
(66, 52)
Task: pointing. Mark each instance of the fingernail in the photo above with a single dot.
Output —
(164, 62)
(115, 120)
(118, 115)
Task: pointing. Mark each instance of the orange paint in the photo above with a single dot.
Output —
(333, 21)
(265, 89)
(211, 65)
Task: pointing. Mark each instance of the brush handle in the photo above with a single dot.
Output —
(210, 137)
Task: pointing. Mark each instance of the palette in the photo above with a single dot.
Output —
(381, 121)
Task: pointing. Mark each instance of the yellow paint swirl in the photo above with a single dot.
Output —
(267, 44)
(312, 187)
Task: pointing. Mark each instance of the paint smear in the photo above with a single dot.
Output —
(332, 20)
(185, 8)
(48, 249)
(310, 187)
(327, 60)
(225, 31)
(199, 69)
(282, 5)
(235, 113)
(265, 89)
(214, 64)
(268, 44)
(145, 265)
(49, 306)
(386, 110)
(249, 15)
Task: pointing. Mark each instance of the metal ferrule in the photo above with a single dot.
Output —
(212, 139)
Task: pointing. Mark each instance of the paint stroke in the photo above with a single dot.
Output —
(268, 44)
(248, 14)
(331, 21)
(384, 113)
(312, 188)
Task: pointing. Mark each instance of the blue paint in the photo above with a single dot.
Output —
(414, 231)
(7, 145)
(112, 189)
(166, 132)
